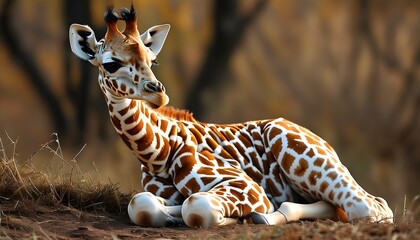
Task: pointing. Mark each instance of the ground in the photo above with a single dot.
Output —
(68, 204)
(30, 219)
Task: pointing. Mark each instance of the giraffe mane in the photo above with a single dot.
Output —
(177, 114)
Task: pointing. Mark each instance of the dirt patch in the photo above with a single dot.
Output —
(26, 219)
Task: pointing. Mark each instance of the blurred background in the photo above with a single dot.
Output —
(347, 70)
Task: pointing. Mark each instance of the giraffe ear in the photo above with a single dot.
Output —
(83, 42)
(155, 36)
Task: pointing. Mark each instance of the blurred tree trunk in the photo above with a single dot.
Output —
(77, 86)
(394, 128)
(29, 66)
(229, 28)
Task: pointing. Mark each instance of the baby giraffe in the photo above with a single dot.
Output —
(200, 174)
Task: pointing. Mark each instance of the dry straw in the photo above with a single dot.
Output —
(20, 181)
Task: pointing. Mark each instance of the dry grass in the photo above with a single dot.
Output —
(65, 203)
(66, 185)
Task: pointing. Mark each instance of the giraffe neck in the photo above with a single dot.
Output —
(143, 130)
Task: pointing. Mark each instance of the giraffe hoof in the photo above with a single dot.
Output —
(258, 218)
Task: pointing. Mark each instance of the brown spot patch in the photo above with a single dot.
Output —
(164, 126)
(195, 220)
(207, 179)
(144, 219)
(146, 140)
(116, 122)
(314, 176)
(329, 147)
(123, 111)
(291, 126)
(277, 146)
(245, 141)
(287, 162)
(184, 171)
(311, 140)
(211, 143)
(342, 216)
(153, 188)
(193, 186)
(215, 133)
(318, 162)
(254, 174)
(123, 87)
(320, 151)
(332, 175)
(328, 166)
(347, 195)
(274, 132)
(310, 153)
(238, 194)
(134, 130)
(133, 104)
(323, 187)
(331, 195)
(301, 168)
(132, 118)
(154, 119)
(294, 143)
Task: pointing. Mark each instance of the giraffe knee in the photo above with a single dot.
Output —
(372, 208)
(198, 211)
(145, 210)
(385, 213)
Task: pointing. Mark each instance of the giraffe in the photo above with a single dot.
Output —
(201, 174)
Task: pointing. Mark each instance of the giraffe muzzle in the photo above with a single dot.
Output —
(152, 87)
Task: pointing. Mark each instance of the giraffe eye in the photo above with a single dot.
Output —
(112, 67)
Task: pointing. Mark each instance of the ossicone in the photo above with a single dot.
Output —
(111, 17)
(130, 18)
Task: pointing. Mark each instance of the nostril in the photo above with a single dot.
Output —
(154, 87)
(151, 87)
(162, 88)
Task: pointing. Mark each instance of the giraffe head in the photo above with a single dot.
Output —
(124, 58)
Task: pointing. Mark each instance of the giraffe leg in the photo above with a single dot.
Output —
(289, 212)
(148, 210)
(314, 171)
(224, 204)
(201, 210)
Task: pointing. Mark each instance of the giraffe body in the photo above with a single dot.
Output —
(210, 174)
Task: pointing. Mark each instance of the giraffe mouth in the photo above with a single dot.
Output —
(156, 100)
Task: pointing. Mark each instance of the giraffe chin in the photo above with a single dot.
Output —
(152, 105)
(156, 101)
